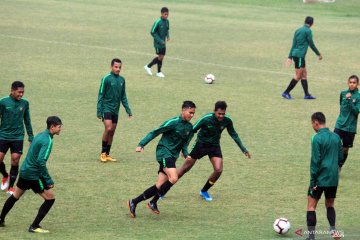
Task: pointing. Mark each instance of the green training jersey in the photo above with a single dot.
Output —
(349, 111)
(34, 165)
(14, 114)
(111, 95)
(176, 135)
(211, 129)
(326, 152)
(301, 41)
(160, 32)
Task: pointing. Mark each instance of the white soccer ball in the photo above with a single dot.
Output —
(281, 225)
(209, 78)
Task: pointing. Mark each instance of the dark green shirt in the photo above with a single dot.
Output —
(176, 135)
(349, 111)
(301, 41)
(34, 165)
(111, 94)
(14, 114)
(160, 31)
(211, 129)
(326, 152)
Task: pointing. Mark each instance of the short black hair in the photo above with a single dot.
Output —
(164, 10)
(354, 77)
(188, 104)
(220, 105)
(318, 116)
(115, 60)
(309, 20)
(53, 121)
(17, 84)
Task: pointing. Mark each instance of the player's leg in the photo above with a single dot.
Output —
(313, 198)
(161, 54)
(16, 152)
(110, 137)
(10, 202)
(4, 147)
(305, 86)
(296, 78)
(187, 165)
(330, 195)
(107, 120)
(348, 141)
(217, 163)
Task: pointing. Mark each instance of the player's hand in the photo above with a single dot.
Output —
(130, 117)
(99, 117)
(50, 186)
(348, 95)
(168, 39)
(247, 154)
(139, 149)
(288, 62)
(314, 188)
(320, 57)
(188, 158)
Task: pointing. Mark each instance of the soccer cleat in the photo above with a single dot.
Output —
(335, 234)
(153, 207)
(132, 207)
(205, 196)
(10, 191)
(160, 74)
(286, 95)
(309, 97)
(110, 158)
(38, 230)
(102, 157)
(148, 70)
(5, 183)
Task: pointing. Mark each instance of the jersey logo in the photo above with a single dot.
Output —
(21, 108)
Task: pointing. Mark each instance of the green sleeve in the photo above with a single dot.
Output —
(168, 33)
(235, 136)
(186, 144)
(311, 43)
(125, 101)
(27, 122)
(154, 33)
(198, 125)
(101, 95)
(315, 161)
(354, 108)
(42, 158)
(292, 47)
(153, 134)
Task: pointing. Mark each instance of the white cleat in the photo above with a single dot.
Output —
(148, 70)
(160, 74)
(5, 183)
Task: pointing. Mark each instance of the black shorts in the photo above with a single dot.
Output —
(110, 116)
(201, 149)
(347, 138)
(330, 192)
(166, 163)
(160, 51)
(38, 186)
(299, 62)
(16, 146)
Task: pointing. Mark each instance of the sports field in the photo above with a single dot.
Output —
(61, 50)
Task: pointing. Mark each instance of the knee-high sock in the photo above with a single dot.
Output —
(3, 170)
(148, 193)
(7, 207)
(311, 223)
(331, 216)
(43, 210)
(14, 170)
(304, 84)
(153, 62)
(159, 65)
(292, 84)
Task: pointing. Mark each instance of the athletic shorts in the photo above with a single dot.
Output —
(330, 192)
(347, 138)
(299, 62)
(166, 163)
(110, 116)
(202, 149)
(38, 186)
(16, 146)
(160, 51)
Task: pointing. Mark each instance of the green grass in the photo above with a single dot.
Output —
(61, 50)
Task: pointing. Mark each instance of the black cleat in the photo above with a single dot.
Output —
(132, 207)
(153, 207)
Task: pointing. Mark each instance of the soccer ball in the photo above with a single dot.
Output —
(209, 78)
(281, 225)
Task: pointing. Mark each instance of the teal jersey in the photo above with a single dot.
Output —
(211, 129)
(326, 152)
(176, 136)
(14, 114)
(160, 32)
(301, 41)
(34, 165)
(111, 94)
(349, 111)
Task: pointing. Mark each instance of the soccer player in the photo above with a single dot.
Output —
(14, 113)
(34, 175)
(208, 143)
(176, 135)
(111, 94)
(302, 40)
(346, 123)
(326, 152)
(160, 33)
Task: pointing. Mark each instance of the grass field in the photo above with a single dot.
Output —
(61, 49)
